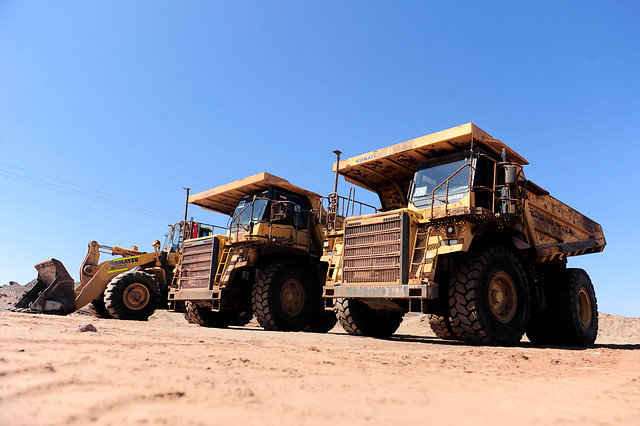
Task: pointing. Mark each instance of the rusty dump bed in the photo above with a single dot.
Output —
(224, 199)
(556, 230)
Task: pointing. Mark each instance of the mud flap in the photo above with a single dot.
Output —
(53, 293)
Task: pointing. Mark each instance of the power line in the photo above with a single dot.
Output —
(84, 195)
(117, 199)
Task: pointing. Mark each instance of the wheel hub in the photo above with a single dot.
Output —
(584, 307)
(292, 297)
(136, 296)
(503, 297)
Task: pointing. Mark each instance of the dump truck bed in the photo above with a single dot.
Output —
(557, 230)
(224, 199)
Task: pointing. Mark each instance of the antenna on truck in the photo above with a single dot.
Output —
(333, 198)
(186, 208)
(337, 153)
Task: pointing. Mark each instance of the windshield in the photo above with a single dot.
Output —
(426, 180)
(172, 240)
(245, 213)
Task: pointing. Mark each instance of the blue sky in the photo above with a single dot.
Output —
(107, 109)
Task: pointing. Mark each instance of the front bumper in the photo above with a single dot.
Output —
(402, 291)
(194, 294)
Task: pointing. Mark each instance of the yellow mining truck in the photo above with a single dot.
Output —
(268, 264)
(463, 236)
(128, 287)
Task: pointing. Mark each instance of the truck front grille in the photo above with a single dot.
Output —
(198, 261)
(373, 249)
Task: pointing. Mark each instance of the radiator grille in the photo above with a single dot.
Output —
(196, 264)
(372, 251)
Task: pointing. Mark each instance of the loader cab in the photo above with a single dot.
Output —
(272, 215)
(173, 237)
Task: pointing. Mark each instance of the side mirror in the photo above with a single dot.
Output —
(410, 191)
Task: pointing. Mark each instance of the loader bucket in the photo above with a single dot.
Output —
(53, 293)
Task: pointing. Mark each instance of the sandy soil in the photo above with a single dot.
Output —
(166, 371)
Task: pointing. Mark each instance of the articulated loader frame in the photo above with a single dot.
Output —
(56, 292)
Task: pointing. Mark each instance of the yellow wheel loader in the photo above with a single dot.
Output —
(129, 287)
(464, 237)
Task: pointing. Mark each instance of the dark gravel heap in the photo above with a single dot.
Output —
(12, 292)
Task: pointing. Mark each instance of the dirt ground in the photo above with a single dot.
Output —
(166, 371)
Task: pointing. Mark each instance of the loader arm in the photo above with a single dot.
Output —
(90, 265)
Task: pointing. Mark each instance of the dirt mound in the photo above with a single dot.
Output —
(11, 293)
(617, 329)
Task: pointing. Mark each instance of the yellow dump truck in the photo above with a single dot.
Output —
(462, 235)
(268, 264)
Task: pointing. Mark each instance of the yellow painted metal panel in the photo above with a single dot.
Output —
(388, 171)
(225, 198)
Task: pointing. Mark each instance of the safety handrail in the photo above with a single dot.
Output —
(238, 224)
(339, 206)
(307, 215)
(495, 197)
(446, 181)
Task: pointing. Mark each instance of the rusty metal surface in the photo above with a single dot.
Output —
(197, 264)
(55, 286)
(372, 250)
(557, 230)
(379, 291)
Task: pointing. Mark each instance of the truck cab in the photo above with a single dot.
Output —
(276, 216)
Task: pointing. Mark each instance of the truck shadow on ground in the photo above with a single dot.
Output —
(436, 341)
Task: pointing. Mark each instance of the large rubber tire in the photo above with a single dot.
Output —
(572, 311)
(489, 297)
(284, 297)
(98, 308)
(443, 327)
(205, 317)
(132, 295)
(575, 309)
(360, 319)
(188, 315)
